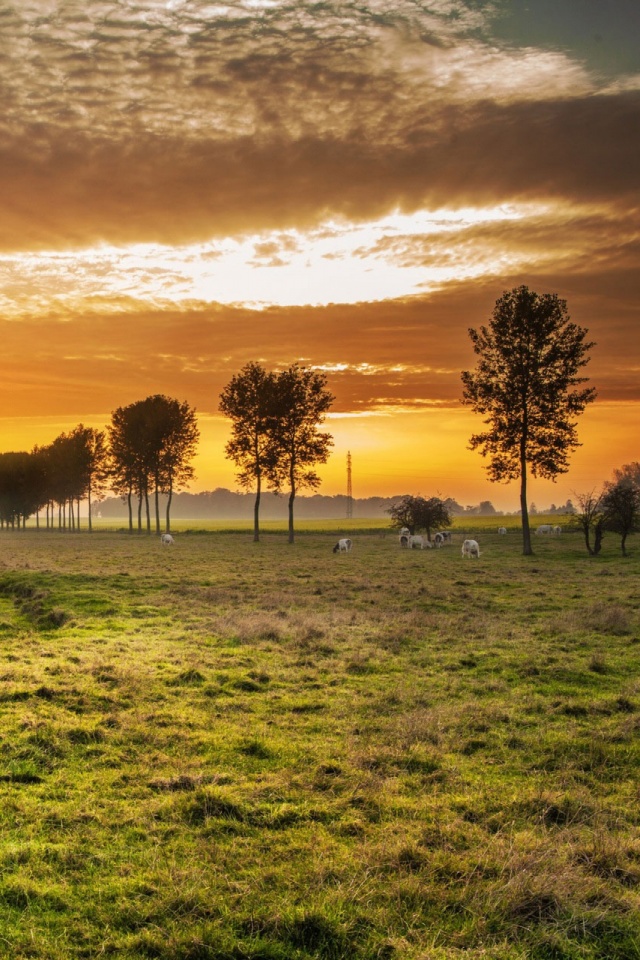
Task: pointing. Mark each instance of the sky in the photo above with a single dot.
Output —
(188, 186)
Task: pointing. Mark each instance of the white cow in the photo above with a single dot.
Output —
(416, 542)
(557, 531)
(404, 539)
(544, 528)
(343, 546)
(438, 539)
(470, 548)
(502, 531)
(166, 540)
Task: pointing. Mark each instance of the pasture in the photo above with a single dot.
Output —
(222, 750)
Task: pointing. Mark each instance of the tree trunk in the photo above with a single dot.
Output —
(89, 502)
(157, 507)
(256, 511)
(527, 550)
(78, 511)
(148, 514)
(597, 546)
(623, 544)
(140, 513)
(130, 511)
(38, 518)
(72, 516)
(169, 499)
(292, 496)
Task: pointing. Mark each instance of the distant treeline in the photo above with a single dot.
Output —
(223, 504)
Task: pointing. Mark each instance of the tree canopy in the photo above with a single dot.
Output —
(527, 386)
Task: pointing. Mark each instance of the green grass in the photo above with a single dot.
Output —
(231, 750)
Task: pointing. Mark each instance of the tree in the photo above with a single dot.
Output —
(524, 385)
(621, 506)
(151, 443)
(248, 400)
(300, 404)
(419, 513)
(590, 515)
(128, 475)
(630, 472)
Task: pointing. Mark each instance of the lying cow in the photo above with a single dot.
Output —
(166, 540)
(544, 528)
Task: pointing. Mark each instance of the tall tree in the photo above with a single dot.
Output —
(180, 435)
(301, 403)
(524, 384)
(248, 400)
(128, 477)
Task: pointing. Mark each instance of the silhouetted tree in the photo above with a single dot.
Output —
(621, 505)
(128, 477)
(420, 513)
(21, 487)
(300, 404)
(151, 444)
(590, 516)
(529, 357)
(249, 401)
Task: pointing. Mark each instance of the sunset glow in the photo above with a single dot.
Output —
(188, 186)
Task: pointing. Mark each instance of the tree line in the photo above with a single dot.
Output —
(146, 450)
(145, 453)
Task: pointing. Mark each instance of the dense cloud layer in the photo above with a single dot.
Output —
(182, 120)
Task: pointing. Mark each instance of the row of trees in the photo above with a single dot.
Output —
(275, 437)
(146, 450)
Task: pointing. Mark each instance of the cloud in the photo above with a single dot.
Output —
(176, 122)
(401, 353)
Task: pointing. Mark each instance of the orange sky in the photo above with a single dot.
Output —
(187, 186)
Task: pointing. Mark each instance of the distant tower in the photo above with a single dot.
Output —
(349, 488)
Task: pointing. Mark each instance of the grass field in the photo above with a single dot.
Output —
(224, 750)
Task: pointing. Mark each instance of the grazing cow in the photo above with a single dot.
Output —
(166, 540)
(502, 531)
(544, 528)
(416, 542)
(342, 546)
(404, 539)
(438, 539)
(470, 548)
(557, 531)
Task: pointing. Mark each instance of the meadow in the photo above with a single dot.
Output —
(224, 750)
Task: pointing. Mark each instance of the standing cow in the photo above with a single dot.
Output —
(471, 548)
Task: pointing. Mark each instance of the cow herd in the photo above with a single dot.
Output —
(470, 548)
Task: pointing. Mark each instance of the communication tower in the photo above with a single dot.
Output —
(349, 488)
